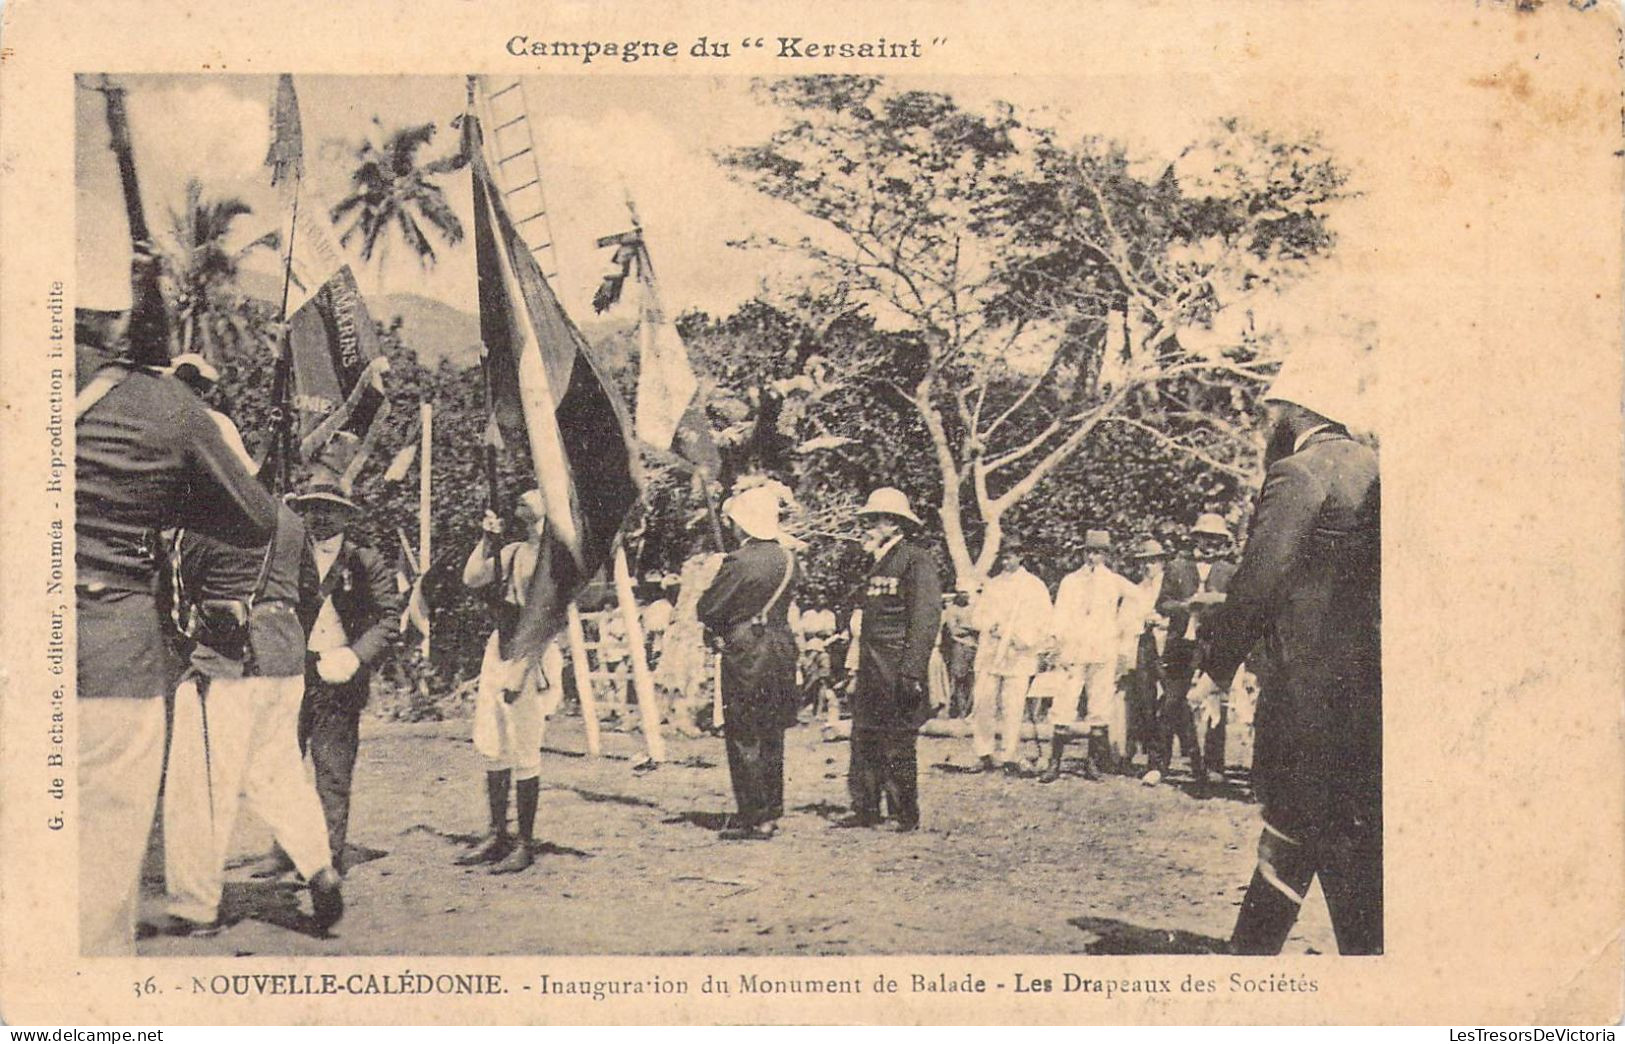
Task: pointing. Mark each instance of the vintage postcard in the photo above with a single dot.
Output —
(811, 513)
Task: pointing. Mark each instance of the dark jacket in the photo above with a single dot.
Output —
(148, 457)
(758, 650)
(1180, 581)
(366, 601)
(1310, 586)
(902, 611)
(214, 570)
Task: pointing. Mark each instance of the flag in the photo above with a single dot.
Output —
(669, 414)
(409, 580)
(547, 391)
(666, 381)
(328, 386)
(286, 157)
(401, 462)
(338, 377)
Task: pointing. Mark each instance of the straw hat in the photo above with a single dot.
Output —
(889, 501)
(1150, 549)
(324, 491)
(1097, 540)
(1209, 524)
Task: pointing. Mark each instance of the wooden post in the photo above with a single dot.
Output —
(426, 412)
(583, 672)
(642, 681)
(716, 691)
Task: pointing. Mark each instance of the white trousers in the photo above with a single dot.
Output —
(253, 753)
(1097, 699)
(999, 702)
(121, 758)
(508, 734)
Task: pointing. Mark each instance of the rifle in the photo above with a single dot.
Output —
(149, 321)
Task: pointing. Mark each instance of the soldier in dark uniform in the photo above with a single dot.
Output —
(1309, 586)
(148, 458)
(902, 610)
(746, 612)
(235, 727)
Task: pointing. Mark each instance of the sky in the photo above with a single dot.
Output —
(600, 139)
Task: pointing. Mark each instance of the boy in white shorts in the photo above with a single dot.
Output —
(509, 710)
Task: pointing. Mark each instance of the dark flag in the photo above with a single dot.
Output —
(547, 390)
(328, 390)
(338, 377)
(286, 157)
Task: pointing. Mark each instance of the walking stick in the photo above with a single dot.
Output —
(1030, 713)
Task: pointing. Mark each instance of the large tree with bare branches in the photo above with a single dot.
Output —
(1035, 291)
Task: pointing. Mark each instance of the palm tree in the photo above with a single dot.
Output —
(204, 270)
(390, 189)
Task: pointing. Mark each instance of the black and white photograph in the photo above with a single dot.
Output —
(782, 516)
(721, 513)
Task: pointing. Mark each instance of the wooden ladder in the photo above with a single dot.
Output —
(515, 163)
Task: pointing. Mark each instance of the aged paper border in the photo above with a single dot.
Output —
(1488, 137)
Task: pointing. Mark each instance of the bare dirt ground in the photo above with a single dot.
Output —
(629, 862)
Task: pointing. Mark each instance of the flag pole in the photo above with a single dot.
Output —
(286, 160)
(284, 476)
(642, 680)
(426, 415)
(583, 673)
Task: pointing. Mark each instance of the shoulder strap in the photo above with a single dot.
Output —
(105, 380)
(177, 589)
(265, 564)
(784, 582)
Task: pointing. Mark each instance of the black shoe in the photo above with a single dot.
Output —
(857, 821)
(326, 898)
(987, 764)
(906, 826)
(173, 927)
(274, 864)
(1012, 769)
(495, 849)
(1051, 773)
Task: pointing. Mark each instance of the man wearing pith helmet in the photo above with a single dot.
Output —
(148, 457)
(746, 612)
(902, 611)
(1309, 589)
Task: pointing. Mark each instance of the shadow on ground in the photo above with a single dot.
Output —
(1114, 937)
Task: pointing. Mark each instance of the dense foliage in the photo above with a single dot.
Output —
(1025, 335)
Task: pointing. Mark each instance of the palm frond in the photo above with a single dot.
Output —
(415, 238)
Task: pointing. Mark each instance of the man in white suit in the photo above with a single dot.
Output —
(1088, 632)
(1013, 618)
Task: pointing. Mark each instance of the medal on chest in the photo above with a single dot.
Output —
(883, 586)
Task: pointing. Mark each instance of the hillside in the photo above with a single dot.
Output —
(435, 330)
